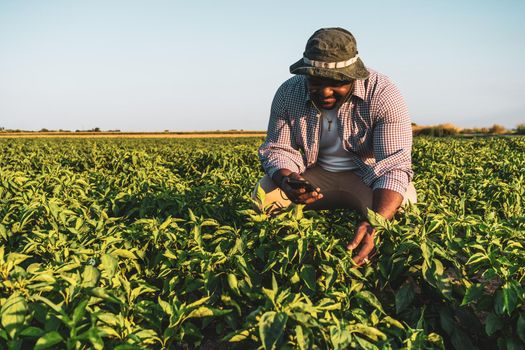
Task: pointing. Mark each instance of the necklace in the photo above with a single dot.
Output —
(329, 124)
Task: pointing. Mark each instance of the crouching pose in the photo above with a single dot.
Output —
(339, 136)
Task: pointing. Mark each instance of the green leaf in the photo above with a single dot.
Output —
(391, 322)
(14, 344)
(371, 332)
(32, 332)
(304, 337)
(291, 237)
(437, 340)
(404, 297)
(204, 311)
(297, 211)
(307, 275)
(376, 220)
(434, 224)
(421, 321)
(166, 307)
(492, 324)
(198, 302)
(57, 308)
(340, 337)
(330, 276)
(109, 265)
(3, 334)
(17, 258)
(260, 195)
(90, 277)
(508, 298)
(426, 252)
(3, 233)
(48, 340)
(499, 305)
(364, 344)
(438, 268)
(233, 283)
(197, 235)
(95, 339)
(371, 299)
(270, 294)
(124, 253)
(476, 258)
(472, 294)
(146, 335)
(108, 318)
(512, 295)
(102, 293)
(271, 328)
(275, 286)
(166, 223)
(520, 327)
(14, 313)
(79, 311)
(237, 336)
(170, 255)
(193, 218)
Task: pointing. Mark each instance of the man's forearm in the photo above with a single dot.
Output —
(386, 202)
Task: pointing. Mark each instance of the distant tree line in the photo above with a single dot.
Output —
(446, 129)
(450, 130)
(46, 130)
(97, 129)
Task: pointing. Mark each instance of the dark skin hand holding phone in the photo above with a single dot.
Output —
(298, 189)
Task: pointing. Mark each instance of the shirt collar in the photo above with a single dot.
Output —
(359, 89)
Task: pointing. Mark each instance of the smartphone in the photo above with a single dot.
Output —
(297, 184)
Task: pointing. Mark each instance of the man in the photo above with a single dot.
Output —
(339, 136)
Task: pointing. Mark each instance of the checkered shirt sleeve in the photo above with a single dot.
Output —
(279, 151)
(392, 142)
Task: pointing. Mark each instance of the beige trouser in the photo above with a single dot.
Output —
(340, 190)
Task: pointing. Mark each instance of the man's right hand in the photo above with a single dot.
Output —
(299, 196)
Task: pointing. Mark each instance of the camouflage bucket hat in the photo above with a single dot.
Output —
(331, 53)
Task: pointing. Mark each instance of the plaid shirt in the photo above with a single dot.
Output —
(373, 123)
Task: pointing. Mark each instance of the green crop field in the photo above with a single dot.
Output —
(153, 243)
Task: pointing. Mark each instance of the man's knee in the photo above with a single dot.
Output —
(268, 197)
(410, 195)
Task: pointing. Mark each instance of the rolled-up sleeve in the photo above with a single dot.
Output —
(279, 150)
(392, 142)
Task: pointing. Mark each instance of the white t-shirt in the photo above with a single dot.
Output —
(332, 155)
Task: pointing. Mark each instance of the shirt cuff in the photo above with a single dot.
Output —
(292, 166)
(395, 180)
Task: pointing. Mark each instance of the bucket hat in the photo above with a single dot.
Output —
(331, 53)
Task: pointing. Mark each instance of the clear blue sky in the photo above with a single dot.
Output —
(207, 65)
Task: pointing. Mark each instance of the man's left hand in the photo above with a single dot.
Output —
(364, 237)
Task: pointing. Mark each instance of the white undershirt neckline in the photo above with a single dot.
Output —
(332, 156)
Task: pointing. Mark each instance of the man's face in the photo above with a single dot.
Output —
(327, 93)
